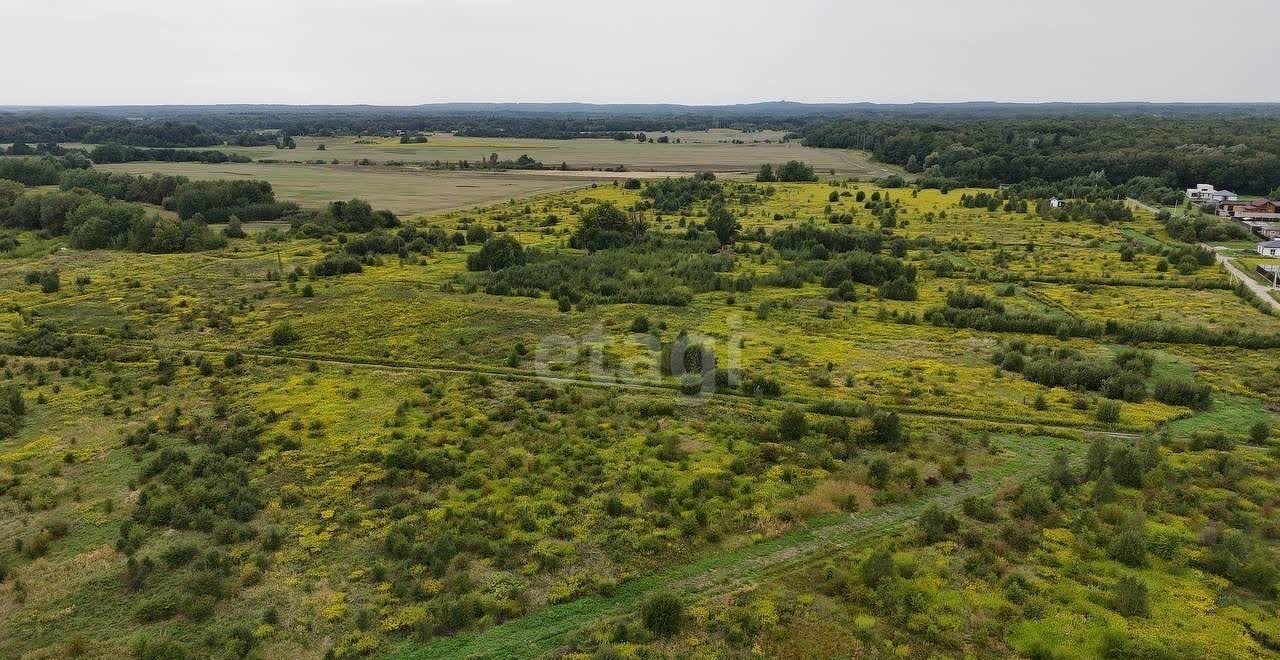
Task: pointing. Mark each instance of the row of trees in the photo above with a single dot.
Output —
(119, 153)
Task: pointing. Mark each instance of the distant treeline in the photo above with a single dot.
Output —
(119, 153)
(1240, 153)
(96, 129)
(205, 130)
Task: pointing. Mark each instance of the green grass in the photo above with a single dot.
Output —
(542, 633)
(1233, 415)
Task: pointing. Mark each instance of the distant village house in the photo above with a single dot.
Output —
(1205, 193)
(1269, 249)
(1258, 209)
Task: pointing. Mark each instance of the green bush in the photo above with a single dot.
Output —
(1183, 392)
(663, 614)
(1129, 597)
(1108, 412)
(497, 254)
(284, 333)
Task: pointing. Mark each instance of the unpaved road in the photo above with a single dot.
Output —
(1261, 290)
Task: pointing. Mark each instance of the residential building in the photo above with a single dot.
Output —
(1269, 249)
(1257, 209)
(1205, 193)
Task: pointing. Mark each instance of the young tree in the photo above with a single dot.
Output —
(878, 568)
(606, 226)
(1096, 459)
(1060, 471)
(723, 224)
(233, 228)
(1126, 466)
(1104, 489)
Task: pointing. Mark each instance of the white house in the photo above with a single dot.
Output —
(1055, 203)
(1269, 249)
(1205, 193)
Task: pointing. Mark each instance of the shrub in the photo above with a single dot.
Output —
(283, 334)
(663, 614)
(157, 648)
(794, 170)
(1108, 412)
(878, 567)
(935, 523)
(1130, 545)
(792, 425)
(898, 289)
(336, 264)
(1183, 392)
(1129, 597)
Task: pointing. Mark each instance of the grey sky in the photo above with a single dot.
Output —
(682, 51)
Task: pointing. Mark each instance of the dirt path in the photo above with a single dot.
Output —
(545, 631)
(1011, 423)
(1261, 290)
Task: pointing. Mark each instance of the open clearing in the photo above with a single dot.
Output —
(703, 150)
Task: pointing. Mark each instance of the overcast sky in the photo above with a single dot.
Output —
(400, 52)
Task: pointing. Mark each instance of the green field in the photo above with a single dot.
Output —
(714, 151)
(411, 190)
(238, 452)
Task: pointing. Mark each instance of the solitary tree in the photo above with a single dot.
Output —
(496, 254)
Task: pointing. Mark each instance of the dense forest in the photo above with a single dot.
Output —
(1240, 153)
(894, 131)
